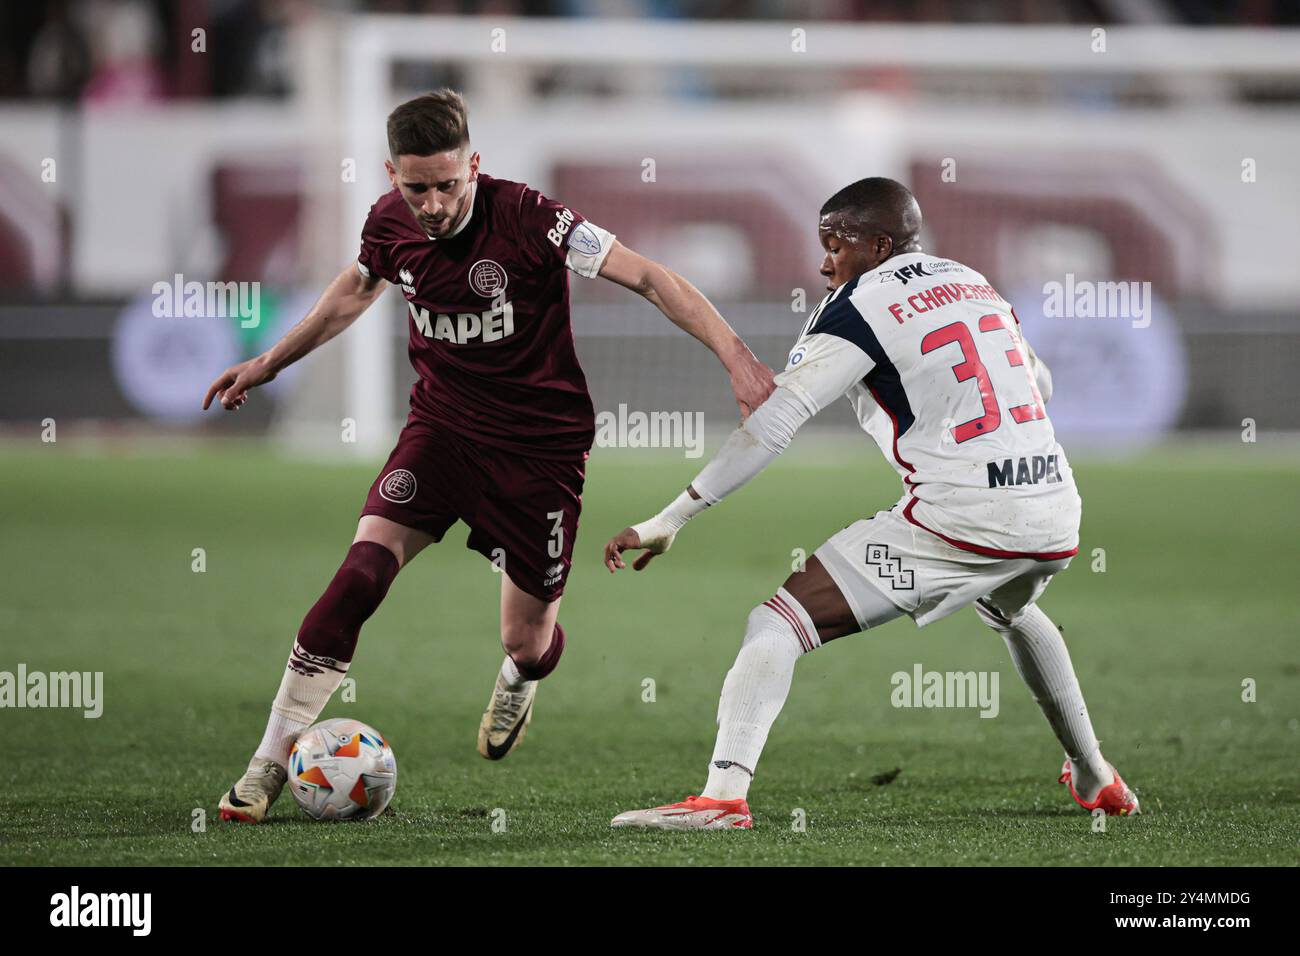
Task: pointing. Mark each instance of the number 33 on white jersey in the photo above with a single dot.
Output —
(932, 359)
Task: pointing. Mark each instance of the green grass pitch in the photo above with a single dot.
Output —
(1199, 593)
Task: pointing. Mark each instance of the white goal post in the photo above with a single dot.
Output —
(344, 87)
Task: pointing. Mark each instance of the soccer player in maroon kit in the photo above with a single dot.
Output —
(500, 424)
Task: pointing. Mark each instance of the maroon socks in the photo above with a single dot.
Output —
(329, 631)
(548, 661)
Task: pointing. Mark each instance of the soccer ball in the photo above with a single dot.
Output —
(342, 769)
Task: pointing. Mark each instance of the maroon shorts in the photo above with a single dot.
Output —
(522, 512)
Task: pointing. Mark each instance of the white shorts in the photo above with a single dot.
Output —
(921, 575)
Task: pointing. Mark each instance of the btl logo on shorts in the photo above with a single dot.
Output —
(398, 486)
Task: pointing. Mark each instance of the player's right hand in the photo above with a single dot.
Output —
(751, 383)
(231, 386)
(628, 538)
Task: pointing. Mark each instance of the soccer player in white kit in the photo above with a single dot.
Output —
(932, 359)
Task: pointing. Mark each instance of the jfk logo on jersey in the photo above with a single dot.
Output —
(915, 271)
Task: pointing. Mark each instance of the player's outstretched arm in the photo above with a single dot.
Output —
(342, 302)
(830, 364)
(746, 452)
(688, 309)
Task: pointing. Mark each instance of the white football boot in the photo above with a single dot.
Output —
(693, 813)
(252, 795)
(506, 719)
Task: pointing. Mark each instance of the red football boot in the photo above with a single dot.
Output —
(693, 813)
(1115, 798)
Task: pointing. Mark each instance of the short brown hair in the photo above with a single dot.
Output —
(430, 123)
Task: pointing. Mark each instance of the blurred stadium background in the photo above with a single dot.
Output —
(243, 141)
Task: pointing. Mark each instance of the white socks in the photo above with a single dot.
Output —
(727, 781)
(510, 674)
(308, 684)
(1041, 658)
(278, 739)
(779, 631)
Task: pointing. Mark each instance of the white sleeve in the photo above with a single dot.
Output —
(588, 247)
(822, 368)
(835, 354)
(753, 446)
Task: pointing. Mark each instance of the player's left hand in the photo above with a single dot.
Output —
(751, 382)
(628, 538)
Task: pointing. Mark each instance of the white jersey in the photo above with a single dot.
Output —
(932, 360)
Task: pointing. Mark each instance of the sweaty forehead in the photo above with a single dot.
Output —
(840, 225)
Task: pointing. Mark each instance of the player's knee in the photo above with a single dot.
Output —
(401, 542)
(783, 613)
(357, 589)
(365, 576)
(761, 617)
(536, 655)
(524, 641)
(991, 615)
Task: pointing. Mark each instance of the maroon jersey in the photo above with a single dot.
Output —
(488, 309)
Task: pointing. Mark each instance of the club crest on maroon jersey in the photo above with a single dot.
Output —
(398, 487)
(487, 278)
